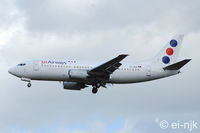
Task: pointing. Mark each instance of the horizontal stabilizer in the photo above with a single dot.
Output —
(178, 65)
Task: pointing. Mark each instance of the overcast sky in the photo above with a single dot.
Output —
(97, 30)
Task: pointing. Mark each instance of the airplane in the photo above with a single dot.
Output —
(76, 75)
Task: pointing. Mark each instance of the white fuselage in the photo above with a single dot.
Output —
(59, 71)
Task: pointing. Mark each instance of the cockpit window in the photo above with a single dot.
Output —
(22, 64)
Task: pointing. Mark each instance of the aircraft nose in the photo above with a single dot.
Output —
(11, 71)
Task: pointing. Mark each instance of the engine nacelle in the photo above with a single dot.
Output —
(73, 85)
(78, 74)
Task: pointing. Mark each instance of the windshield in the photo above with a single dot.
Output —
(22, 64)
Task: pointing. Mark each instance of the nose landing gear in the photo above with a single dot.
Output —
(27, 80)
(29, 84)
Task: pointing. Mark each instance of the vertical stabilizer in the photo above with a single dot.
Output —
(169, 54)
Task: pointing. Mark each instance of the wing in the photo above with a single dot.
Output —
(108, 67)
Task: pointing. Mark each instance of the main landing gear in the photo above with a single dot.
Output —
(95, 88)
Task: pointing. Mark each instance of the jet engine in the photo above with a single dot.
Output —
(78, 74)
(73, 85)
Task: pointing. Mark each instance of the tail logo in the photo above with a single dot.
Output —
(173, 43)
(166, 59)
(169, 51)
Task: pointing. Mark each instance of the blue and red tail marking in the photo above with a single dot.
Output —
(168, 55)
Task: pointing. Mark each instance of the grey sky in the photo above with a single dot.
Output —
(97, 30)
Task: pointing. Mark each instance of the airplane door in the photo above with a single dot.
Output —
(35, 66)
(148, 70)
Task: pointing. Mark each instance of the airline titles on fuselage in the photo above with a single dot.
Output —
(57, 62)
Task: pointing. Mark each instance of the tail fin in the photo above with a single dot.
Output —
(169, 54)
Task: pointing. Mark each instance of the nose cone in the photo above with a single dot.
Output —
(12, 71)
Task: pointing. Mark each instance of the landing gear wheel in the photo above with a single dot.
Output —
(94, 90)
(29, 84)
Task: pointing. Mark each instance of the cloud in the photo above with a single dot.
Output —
(91, 16)
(128, 127)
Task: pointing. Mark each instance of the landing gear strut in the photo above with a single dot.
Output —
(29, 84)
